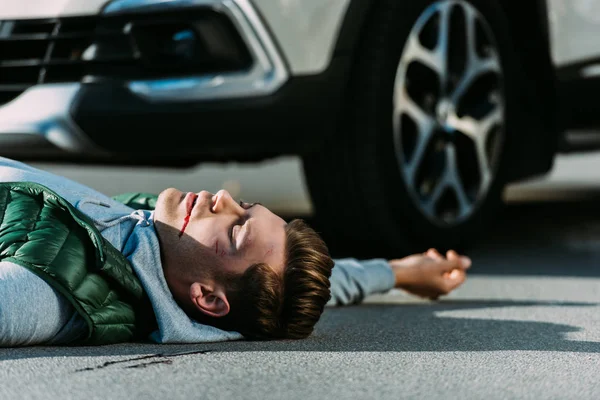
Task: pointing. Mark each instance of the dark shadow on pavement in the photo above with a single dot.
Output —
(559, 238)
(415, 327)
(367, 327)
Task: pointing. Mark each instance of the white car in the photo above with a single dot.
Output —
(410, 115)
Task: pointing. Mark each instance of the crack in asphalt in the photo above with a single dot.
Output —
(145, 365)
(167, 359)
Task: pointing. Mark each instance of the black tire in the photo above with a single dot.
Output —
(362, 204)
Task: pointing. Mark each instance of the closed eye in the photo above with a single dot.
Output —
(241, 221)
(247, 206)
(231, 238)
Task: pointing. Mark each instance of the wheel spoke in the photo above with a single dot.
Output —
(484, 165)
(480, 135)
(477, 130)
(450, 179)
(455, 182)
(441, 51)
(424, 138)
(471, 32)
(416, 52)
(488, 122)
(494, 118)
(467, 125)
(425, 125)
(472, 72)
(430, 203)
(475, 65)
(405, 105)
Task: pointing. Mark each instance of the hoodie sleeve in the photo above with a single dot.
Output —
(352, 280)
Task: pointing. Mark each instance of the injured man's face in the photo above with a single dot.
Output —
(239, 234)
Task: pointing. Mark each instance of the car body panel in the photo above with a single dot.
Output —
(29, 9)
(306, 30)
(574, 32)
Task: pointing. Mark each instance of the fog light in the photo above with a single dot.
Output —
(187, 44)
(183, 45)
(168, 44)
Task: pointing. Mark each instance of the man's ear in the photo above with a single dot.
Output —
(209, 299)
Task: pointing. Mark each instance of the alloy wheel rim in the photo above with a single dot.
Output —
(449, 111)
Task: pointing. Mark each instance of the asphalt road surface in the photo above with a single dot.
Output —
(525, 325)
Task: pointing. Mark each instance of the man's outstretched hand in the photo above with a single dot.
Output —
(430, 274)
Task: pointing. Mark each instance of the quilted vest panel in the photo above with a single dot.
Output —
(44, 233)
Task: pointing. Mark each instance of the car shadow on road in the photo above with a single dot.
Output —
(542, 239)
(365, 328)
(559, 238)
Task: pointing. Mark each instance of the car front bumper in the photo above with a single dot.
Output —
(256, 111)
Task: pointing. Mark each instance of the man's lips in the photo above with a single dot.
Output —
(190, 198)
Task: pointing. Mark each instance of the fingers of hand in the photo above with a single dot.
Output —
(465, 262)
(454, 278)
(433, 253)
(446, 266)
(455, 274)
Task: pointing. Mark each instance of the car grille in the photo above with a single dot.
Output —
(115, 47)
(41, 51)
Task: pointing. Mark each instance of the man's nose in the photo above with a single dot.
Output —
(224, 201)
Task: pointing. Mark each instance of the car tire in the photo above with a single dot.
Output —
(373, 190)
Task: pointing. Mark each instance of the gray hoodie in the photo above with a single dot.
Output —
(133, 233)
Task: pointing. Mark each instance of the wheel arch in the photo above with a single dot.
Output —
(529, 28)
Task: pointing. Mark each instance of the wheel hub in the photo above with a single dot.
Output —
(444, 109)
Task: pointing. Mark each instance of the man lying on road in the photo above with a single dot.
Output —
(78, 267)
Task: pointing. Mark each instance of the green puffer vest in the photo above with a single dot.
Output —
(44, 233)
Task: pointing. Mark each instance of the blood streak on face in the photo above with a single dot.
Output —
(186, 220)
(191, 202)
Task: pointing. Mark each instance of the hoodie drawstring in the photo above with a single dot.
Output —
(137, 215)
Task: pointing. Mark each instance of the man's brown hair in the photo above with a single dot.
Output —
(266, 305)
